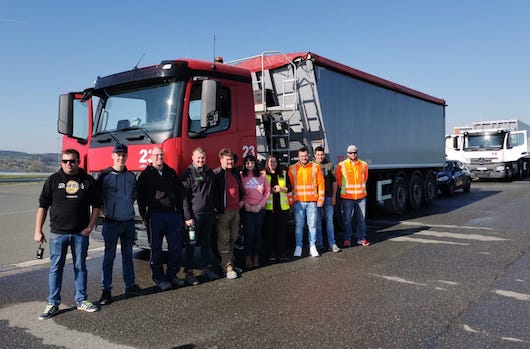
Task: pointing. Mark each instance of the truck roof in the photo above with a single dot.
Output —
(254, 64)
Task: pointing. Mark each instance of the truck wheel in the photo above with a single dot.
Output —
(398, 203)
(415, 191)
(429, 189)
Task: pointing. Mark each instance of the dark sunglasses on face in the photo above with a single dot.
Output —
(73, 161)
(352, 152)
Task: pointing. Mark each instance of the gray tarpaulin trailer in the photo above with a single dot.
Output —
(305, 99)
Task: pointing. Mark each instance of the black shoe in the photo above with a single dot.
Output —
(190, 279)
(106, 297)
(133, 291)
(210, 275)
(176, 282)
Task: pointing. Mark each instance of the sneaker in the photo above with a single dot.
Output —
(190, 279)
(133, 291)
(49, 311)
(363, 242)
(283, 258)
(298, 251)
(313, 251)
(347, 243)
(87, 306)
(335, 248)
(177, 282)
(210, 275)
(164, 285)
(230, 273)
(106, 298)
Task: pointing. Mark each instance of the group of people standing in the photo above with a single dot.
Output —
(194, 207)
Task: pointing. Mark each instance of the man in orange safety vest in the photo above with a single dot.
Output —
(352, 175)
(308, 193)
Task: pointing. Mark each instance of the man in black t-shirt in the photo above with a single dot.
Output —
(72, 198)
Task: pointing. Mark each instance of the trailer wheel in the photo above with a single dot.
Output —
(400, 194)
(415, 191)
(430, 189)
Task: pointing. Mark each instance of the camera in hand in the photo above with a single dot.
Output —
(40, 252)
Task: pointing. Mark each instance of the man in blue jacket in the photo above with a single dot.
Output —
(117, 186)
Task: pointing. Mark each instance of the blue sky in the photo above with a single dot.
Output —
(474, 54)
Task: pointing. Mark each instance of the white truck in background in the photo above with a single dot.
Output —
(492, 149)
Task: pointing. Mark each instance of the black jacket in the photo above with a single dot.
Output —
(159, 193)
(220, 188)
(199, 192)
(69, 199)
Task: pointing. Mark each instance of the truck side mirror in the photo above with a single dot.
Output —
(65, 123)
(210, 96)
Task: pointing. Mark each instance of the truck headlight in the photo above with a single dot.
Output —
(499, 168)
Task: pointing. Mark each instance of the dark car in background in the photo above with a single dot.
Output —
(452, 177)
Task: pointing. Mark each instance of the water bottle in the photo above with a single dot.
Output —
(191, 234)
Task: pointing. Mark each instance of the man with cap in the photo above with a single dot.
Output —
(352, 175)
(117, 187)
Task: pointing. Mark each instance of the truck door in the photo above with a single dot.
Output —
(225, 127)
(75, 123)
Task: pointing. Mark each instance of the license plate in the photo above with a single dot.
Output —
(482, 168)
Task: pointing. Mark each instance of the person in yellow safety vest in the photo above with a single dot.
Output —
(352, 175)
(308, 194)
(276, 210)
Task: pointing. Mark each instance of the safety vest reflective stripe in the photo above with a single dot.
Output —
(284, 199)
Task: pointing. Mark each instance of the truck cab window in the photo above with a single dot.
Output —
(194, 112)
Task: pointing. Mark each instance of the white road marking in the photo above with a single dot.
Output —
(17, 268)
(398, 279)
(414, 223)
(469, 329)
(24, 315)
(443, 234)
(448, 282)
(485, 333)
(426, 241)
(515, 295)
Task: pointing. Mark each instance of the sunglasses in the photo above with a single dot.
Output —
(352, 152)
(69, 161)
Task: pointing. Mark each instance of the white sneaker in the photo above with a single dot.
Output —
(313, 251)
(335, 248)
(298, 251)
(230, 273)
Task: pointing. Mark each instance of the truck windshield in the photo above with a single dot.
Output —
(484, 141)
(151, 108)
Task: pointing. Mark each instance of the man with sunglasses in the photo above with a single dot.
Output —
(352, 175)
(71, 196)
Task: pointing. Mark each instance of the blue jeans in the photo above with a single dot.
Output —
(168, 225)
(58, 250)
(351, 209)
(125, 232)
(305, 211)
(204, 225)
(326, 212)
(252, 226)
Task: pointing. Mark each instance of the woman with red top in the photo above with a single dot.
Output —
(256, 193)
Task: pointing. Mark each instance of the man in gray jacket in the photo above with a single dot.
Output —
(118, 189)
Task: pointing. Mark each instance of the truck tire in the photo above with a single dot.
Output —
(398, 203)
(429, 189)
(415, 190)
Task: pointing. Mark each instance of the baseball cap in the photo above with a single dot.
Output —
(120, 148)
(351, 148)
